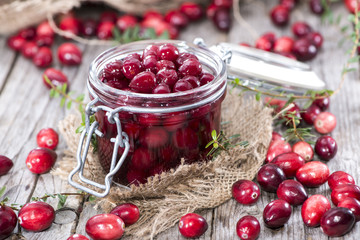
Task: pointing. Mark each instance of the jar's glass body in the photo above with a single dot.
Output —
(162, 128)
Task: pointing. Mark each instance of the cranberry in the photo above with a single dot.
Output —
(36, 216)
(184, 56)
(8, 221)
(131, 68)
(162, 88)
(148, 119)
(313, 174)
(276, 148)
(149, 63)
(44, 41)
(44, 30)
(77, 237)
(105, 226)
(264, 43)
(176, 18)
(29, 49)
(276, 136)
(40, 160)
(206, 78)
(167, 76)
(325, 123)
(185, 138)
(136, 177)
(143, 82)
(126, 21)
(16, 43)
(351, 5)
(283, 44)
(276, 213)
(288, 55)
(160, 26)
(168, 52)
(244, 44)
(152, 14)
(192, 10)
(128, 212)
(304, 50)
(270, 176)
(289, 163)
(245, 192)
(55, 76)
(210, 10)
(5, 165)
(304, 150)
(43, 58)
(301, 29)
(313, 209)
(222, 19)
(154, 137)
(150, 50)
(280, 15)
(175, 121)
(292, 192)
(340, 192)
(338, 178)
(47, 138)
(325, 147)
(194, 81)
(88, 27)
(190, 67)
(322, 103)
(289, 4)
(108, 16)
(28, 33)
(165, 64)
(112, 71)
(316, 6)
(248, 228)
(310, 114)
(182, 85)
(352, 204)
(223, 3)
(69, 54)
(192, 225)
(316, 38)
(337, 222)
(105, 30)
(142, 159)
(70, 24)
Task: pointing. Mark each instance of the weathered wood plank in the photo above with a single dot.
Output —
(6, 61)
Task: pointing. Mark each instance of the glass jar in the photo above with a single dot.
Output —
(161, 128)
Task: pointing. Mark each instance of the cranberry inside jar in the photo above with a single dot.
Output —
(167, 112)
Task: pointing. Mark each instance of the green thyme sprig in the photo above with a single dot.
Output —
(135, 33)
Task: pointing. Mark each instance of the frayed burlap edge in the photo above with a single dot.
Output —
(189, 188)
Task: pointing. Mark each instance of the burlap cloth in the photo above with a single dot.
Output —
(189, 188)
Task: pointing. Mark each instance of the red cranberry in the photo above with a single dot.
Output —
(69, 54)
(192, 225)
(167, 76)
(168, 52)
(270, 176)
(176, 18)
(289, 163)
(248, 228)
(326, 148)
(131, 68)
(143, 82)
(223, 3)
(316, 38)
(276, 136)
(304, 150)
(88, 27)
(313, 174)
(55, 76)
(316, 6)
(77, 237)
(245, 192)
(292, 192)
(40, 160)
(325, 123)
(105, 226)
(29, 49)
(184, 56)
(264, 43)
(301, 29)
(340, 192)
(36, 216)
(47, 138)
(16, 42)
(192, 10)
(126, 21)
(148, 119)
(351, 5)
(162, 88)
(112, 71)
(289, 4)
(28, 33)
(185, 138)
(190, 67)
(150, 50)
(222, 19)
(310, 114)
(276, 148)
(244, 44)
(142, 159)
(206, 78)
(108, 16)
(182, 85)
(322, 103)
(128, 212)
(43, 58)
(70, 24)
(149, 63)
(313, 209)
(8, 221)
(44, 30)
(154, 137)
(280, 15)
(175, 121)
(276, 213)
(5, 165)
(160, 26)
(44, 41)
(136, 177)
(288, 55)
(283, 44)
(338, 178)
(152, 14)
(194, 81)
(105, 30)
(304, 50)
(353, 205)
(337, 222)
(165, 64)
(210, 10)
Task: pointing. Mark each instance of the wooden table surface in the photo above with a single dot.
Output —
(25, 108)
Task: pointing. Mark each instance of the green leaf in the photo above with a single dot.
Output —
(68, 106)
(215, 145)
(62, 200)
(80, 129)
(258, 96)
(92, 198)
(117, 34)
(164, 35)
(63, 88)
(80, 98)
(308, 104)
(209, 144)
(62, 102)
(2, 191)
(354, 59)
(214, 135)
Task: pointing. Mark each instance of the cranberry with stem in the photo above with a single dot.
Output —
(313, 209)
(105, 226)
(55, 76)
(245, 192)
(292, 192)
(339, 178)
(325, 147)
(270, 176)
(69, 54)
(40, 160)
(128, 212)
(276, 213)
(304, 149)
(325, 123)
(5, 165)
(47, 138)
(192, 225)
(8, 221)
(337, 222)
(36, 216)
(248, 228)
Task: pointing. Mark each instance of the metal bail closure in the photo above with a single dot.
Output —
(121, 140)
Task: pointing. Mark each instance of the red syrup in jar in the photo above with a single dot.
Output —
(159, 140)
